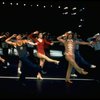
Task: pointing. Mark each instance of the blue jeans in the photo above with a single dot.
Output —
(26, 62)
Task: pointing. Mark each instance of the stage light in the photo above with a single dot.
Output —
(81, 20)
(80, 10)
(31, 5)
(11, 3)
(79, 25)
(74, 8)
(73, 13)
(24, 4)
(37, 5)
(44, 6)
(66, 13)
(83, 8)
(3, 3)
(16, 3)
(59, 7)
(65, 7)
(50, 5)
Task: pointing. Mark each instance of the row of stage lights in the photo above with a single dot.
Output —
(75, 11)
(65, 9)
(37, 5)
(25, 4)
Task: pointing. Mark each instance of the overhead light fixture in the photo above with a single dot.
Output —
(65, 7)
(50, 5)
(37, 5)
(3, 3)
(81, 20)
(83, 8)
(80, 10)
(74, 8)
(11, 3)
(73, 13)
(59, 6)
(79, 25)
(66, 13)
(16, 3)
(24, 4)
(44, 6)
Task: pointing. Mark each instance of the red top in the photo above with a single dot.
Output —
(40, 45)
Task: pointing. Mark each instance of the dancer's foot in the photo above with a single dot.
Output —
(39, 77)
(84, 72)
(68, 81)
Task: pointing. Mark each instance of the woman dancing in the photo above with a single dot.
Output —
(69, 44)
(40, 48)
(20, 45)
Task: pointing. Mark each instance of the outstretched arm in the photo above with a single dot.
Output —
(2, 36)
(8, 40)
(31, 36)
(29, 42)
(47, 42)
(83, 43)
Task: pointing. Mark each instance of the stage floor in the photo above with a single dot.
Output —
(48, 88)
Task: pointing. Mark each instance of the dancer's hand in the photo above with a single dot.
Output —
(36, 32)
(65, 34)
(14, 35)
(52, 43)
(92, 43)
(36, 43)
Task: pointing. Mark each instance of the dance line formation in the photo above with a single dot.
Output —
(39, 40)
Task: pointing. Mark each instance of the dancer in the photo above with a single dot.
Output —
(78, 57)
(69, 44)
(95, 40)
(20, 44)
(40, 48)
(2, 59)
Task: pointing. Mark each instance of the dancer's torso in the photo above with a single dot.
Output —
(69, 47)
(40, 46)
(21, 48)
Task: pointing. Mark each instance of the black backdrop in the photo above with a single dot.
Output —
(26, 18)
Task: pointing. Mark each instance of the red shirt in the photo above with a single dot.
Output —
(40, 45)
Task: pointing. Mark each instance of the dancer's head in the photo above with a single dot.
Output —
(69, 34)
(18, 37)
(40, 35)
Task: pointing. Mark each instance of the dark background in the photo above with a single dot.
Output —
(17, 18)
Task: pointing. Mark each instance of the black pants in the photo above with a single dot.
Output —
(27, 63)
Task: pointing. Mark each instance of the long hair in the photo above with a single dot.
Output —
(68, 35)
